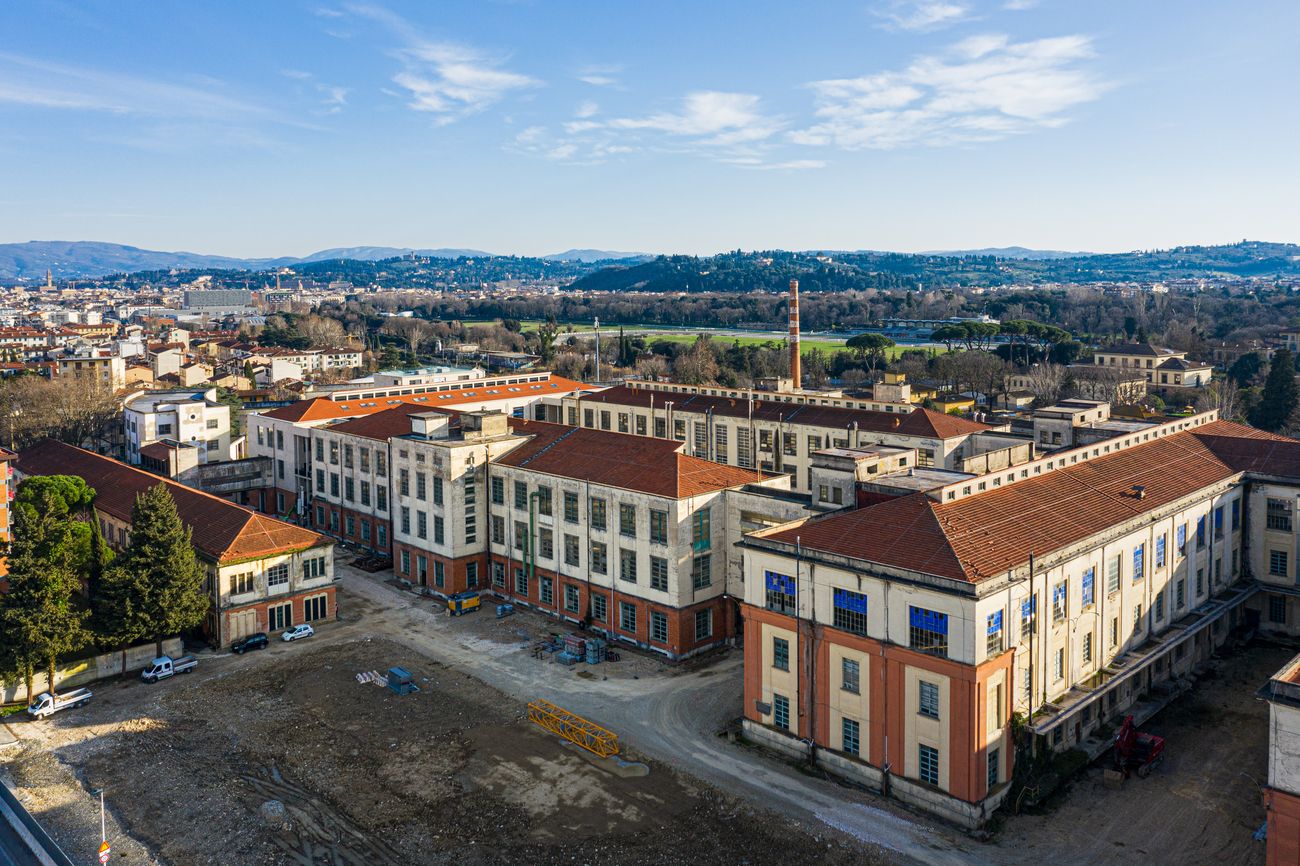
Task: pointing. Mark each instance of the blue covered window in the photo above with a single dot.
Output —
(928, 631)
(1139, 562)
(994, 634)
(1160, 551)
(850, 610)
(780, 592)
(1089, 587)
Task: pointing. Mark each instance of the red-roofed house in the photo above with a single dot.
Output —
(264, 574)
(899, 639)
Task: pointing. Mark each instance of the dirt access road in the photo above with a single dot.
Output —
(1200, 806)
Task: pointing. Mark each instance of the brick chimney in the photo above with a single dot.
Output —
(795, 372)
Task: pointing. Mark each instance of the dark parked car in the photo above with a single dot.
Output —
(251, 642)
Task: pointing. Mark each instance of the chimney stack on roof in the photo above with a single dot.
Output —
(795, 372)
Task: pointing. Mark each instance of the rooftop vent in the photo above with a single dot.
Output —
(1138, 491)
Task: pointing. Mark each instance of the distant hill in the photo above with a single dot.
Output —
(375, 254)
(1009, 253)
(594, 256)
(85, 259)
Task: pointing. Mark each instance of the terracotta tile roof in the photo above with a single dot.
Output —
(925, 423)
(324, 409)
(222, 531)
(639, 463)
(157, 450)
(386, 424)
(980, 536)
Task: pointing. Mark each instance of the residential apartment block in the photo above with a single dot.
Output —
(191, 418)
(263, 574)
(899, 638)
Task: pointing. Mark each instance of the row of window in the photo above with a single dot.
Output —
(598, 605)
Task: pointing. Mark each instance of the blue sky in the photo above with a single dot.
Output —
(279, 128)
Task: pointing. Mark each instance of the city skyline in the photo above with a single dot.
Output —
(534, 127)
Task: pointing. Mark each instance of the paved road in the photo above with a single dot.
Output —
(674, 718)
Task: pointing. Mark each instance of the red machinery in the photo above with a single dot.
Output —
(1135, 750)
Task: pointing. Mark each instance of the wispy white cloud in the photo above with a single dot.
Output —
(1019, 5)
(601, 76)
(780, 165)
(331, 98)
(710, 117)
(981, 89)
(43, 84)
(921, 14)
(586, 108)
(447, 79)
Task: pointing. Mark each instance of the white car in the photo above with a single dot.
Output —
(298, 631)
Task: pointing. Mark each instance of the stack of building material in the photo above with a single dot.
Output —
(595, 650)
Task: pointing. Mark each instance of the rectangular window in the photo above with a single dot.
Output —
(702, 571)
(1160, 550)
(597, 507)
(439, 573)
(1160, 605)
(658, 526)
(349, 490)
(850, 675)
(1236, 514)
(406, 562)
(850, 610)
(780, 592)
(599, 559)
(1060, 599)
(1113, 574)
(1139, 562)
(1218, 522)
(701, 531)
(703, 624)
(421, 524)
(521, 582)
(1200, 532)
(995, 768)
(1058, 665)
(437, 491)
(498, 529)
(571, 547)
(659, 573)
(381, 497)
(781, 712)
(403, 482)
(599, 608)
(1114, 631)
(928, 764)
(1200, 581)
(546, 543)
(1086, 652)
(627, 565)
(850, 733)
(627, 520)
(521, 495)
(1028, 616)
(277, 575)
(570, 507)
(1180, 539)
(658, 627)
(438, 530)
(546, 589)
(471, 574)
(928, 699)
(421, 486)
(572, 596)
(1278, 515)
(499, 574)
(365, 492)
(320, 480)
(334, 484)
(627, 617)
(544, 501)
(1277, 563)
(993, 634)
(1088, 595)
(1180, 593)
(498, 491)
(1277, 609)
(780, 654)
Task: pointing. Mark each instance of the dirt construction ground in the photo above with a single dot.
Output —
(1199, 807)
(453, 774)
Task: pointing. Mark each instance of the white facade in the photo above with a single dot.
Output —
(190, 417)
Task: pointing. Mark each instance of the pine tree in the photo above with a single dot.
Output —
(1280, 397)
(165, 583)
(42, 616)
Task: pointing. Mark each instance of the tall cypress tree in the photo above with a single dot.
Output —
(1280, 397)
(163, 579)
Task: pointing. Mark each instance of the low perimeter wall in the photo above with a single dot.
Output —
(88, 670)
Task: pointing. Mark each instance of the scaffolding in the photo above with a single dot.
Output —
(575, 729)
